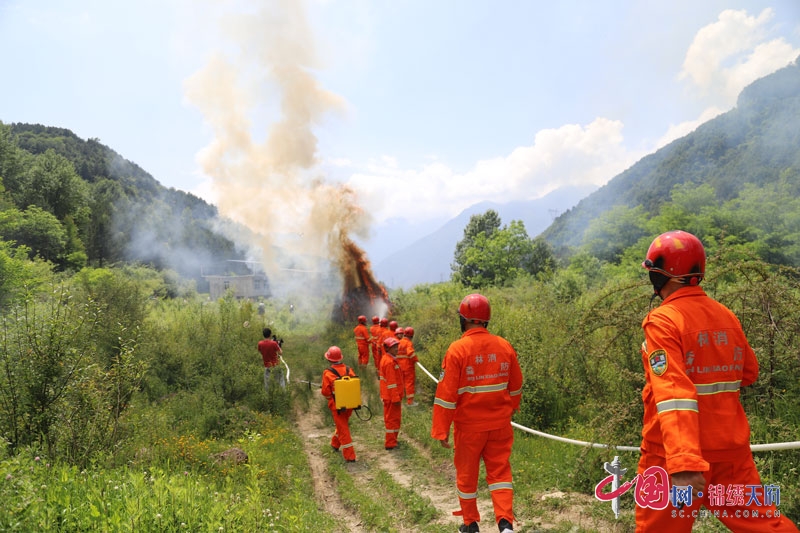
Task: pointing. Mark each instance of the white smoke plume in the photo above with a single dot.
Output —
(264, 170)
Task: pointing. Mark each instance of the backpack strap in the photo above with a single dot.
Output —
(347, 371)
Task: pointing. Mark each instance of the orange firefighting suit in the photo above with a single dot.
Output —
(391, 380)
(362, 343)
(408, 364)
(341, 439)
(375, 333)
(696, 357)
(382, 334)
(479, 389)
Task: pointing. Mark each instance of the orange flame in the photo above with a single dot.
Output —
(362, 294)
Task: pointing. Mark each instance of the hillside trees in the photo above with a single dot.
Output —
(111, 210)
(491, 255)
(36, 229)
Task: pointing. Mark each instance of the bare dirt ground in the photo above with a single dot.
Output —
(310, 426)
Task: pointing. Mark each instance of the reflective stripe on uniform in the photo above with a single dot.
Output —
(515, 392)
(392, 430)
(676, 405)
(392, 386)
(445, 404)
(714, 388)
(484, 388)
(343, 446)
(467, 495)
(501, 485)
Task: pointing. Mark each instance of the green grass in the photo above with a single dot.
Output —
(184, 492)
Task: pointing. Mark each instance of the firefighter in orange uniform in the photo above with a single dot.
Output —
(363, 340)
(696, 357)
(374, 332)
(479, 389)
(341, 439)
(408, 360)
(382, 334)
(391, 380)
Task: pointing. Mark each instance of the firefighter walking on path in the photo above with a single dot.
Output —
(341, 439)
(479, 389)
(408, 361)
(375, 333)
(363, 339)
(383, 332)
(391, 381)
(696, 357)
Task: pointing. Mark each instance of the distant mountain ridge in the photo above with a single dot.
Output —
(428, 259)
(756, 142)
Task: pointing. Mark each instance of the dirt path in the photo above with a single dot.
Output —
(442, 494)
(436, 483)
(311, 428)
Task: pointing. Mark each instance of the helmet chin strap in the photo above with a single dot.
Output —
(653, 297)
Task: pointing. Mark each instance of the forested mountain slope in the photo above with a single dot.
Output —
(77, 202)
(757, 142)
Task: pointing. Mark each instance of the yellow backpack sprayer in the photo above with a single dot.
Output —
(347, 393)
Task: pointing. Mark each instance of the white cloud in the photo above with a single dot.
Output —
(569, 155)
(723, 59)
(731, 53)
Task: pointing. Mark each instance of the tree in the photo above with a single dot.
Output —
(53, 184)
(35, 228)
(615, 230)
(503, 256)
(11, 165)
(485, 224)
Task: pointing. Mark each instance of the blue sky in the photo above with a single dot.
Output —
(409, 110)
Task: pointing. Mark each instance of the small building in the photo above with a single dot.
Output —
(241, 279)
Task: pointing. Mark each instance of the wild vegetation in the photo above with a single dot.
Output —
(128, 399)
(115, 410)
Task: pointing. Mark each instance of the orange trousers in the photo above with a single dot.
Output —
(377, 353)
(409, 378)
(341, 439)
(392, 415)
(494, 447)
(745, 516)
(363, 353)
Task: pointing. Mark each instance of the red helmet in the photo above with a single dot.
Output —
(334, 354)
(375, 320)
(384, 322)
(409, 331)
(676, 254)
(400, 331)
(475, 308)
(388, 342)
(362, 319)
(393, 325)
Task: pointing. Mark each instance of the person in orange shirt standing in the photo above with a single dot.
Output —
(391, 380)
(696, 357)
(363, 340)
(480, 387)
(341, 439)
(408, 361)
(375, 331)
